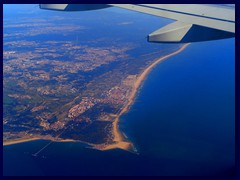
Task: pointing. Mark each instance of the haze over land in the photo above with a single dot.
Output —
(64, 81)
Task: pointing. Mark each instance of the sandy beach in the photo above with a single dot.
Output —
(17, 141)
(118, 137)
(22, 140)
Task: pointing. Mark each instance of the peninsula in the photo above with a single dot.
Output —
(72, 87)
(118, 140)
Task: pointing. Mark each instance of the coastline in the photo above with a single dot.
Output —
(119, 140)
(118, 136)
(17, 141)
(23, 140)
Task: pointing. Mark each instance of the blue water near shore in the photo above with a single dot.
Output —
(182, 123)
(186, 106)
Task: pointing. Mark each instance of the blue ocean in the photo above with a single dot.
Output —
(182, 124)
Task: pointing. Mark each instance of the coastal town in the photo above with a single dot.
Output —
(64, 90)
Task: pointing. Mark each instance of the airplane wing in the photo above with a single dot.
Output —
(194, 22)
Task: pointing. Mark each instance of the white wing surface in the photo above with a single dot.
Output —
(194, 22)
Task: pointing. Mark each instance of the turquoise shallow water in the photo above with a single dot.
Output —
(182, 123)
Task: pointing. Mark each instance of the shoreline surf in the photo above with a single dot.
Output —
(118, 136)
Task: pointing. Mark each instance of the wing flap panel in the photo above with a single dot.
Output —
(198, 19)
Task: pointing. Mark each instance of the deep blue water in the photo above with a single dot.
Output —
(182, 123)
(187, 107)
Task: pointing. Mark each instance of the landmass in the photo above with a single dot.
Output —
(61, 90)
(118, 141)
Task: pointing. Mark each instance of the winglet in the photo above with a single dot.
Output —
(180, 32)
